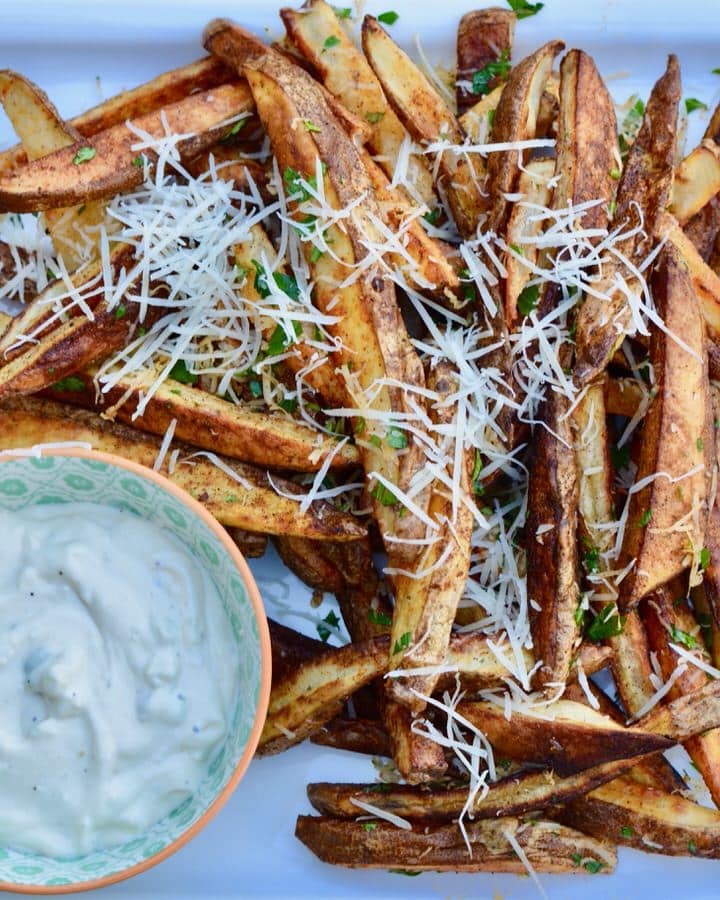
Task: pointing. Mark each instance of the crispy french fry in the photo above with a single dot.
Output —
(647, 819)
(306, 560)
(308, 696)
(426, 116)
(547, 846)
(484, 36)
(645, 184)
(249, 502)
(357, 735)
(687, 716)
(418, 759)
(703, 228)
(697, 181)
(667, 517)
(577, 738)
(56, 181)
(552, 570)
(290, 649)
(208, 421)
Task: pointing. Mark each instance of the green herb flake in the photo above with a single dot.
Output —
(704, 558)
(81, 209)
(483, 78)
(593, 866)
(505, 764)
(379, 618)
(591, 559)
(403, 643)
(369, 826)
(375, 440)
(682, 637)
(408, 872)
(692, 847)
(323, 630)
(311, 126)
(343, 12)
(71, 383)
(332, 41)
(359, 425)
(139, 162)
(516, 249)
(577, 858)
(396, 438)
(579, 614)
(715, 71)
(645, 518)
(234, 130)
(626, 831)
(432, 217)
(295, 183)
(383, 495)
(120, 311)
(527, 301)
(279, 340)
(374, 117)
(388, 18)
(699, 443)
(491, 117)
(692, 103)
(181, 373)
(615, 174)
(523, 9)
(256, 388)
(84, 154)
(607, 623)
(315, 254)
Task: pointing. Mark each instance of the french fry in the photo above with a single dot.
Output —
(310, 694)
(552, 571)
(56, 181)
(426, 116)
(207, 421)
(623, 396)
(669, 621)
(484, 36)
(647, 819)
(305, 559)
(291, 649)
(575, 739)
(357, 735)
(249, 502)
(251, 544)
(666, 521)
(696, 182)
(548, 847)
(687, 716)
(645, 184)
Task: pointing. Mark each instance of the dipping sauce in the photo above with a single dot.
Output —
(118, 675)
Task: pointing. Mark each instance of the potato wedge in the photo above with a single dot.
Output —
(687, 716)
(357, 735)
(290, 649)
(548, 847)
(703, 228)
(646, 183)
(552, 568)
(696, 182)
(160, 91)
(426, 116)
(575, 739)
(308, 696)
(647, 819)
(484, 36)
(623, 396)
(305, 559)
(666, 522)
(669, 621)
(250, 544)
(250, 503)
(57, 181)
(514, 795)
(208, 421)
(418, 759)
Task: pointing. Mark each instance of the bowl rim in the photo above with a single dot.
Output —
(265, 666)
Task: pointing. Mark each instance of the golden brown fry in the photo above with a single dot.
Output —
(552, 568)
(623, 396)
(669, 620)
(484, 36)
(56, 181)
(687, 716)
(306, 559)
(666, 522)
(250, 544)
(418, 759)
(575, 739)
(309, 695)
(645, 185)
(357, 735)
(208, 421)
(250, 503)
(427, 117)
(697, 181)
(515, 795)
(549, 847)
(647, 819)
(291, 649)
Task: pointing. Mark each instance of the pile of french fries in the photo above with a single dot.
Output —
(513, 209)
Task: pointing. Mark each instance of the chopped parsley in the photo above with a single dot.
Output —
(139, 161)
(359, 425)
(527, 301)
(343, 12)
(699, 443)
(403, 643)
(607, 623)
(692, 847)
(476, 473)
(523, 9)
(383, 495)
(682, 637)
(615, 173)
(626, 831)
(433, 216)
(369, 826)
(593, 866)
(407, 872)
(71, 383)
(374, 117)
(378, 618)
(645, 518)
(591, 559)
(332, 41)
(234, 130)
(311, 126)
(84, 154)
(256, 388)
(286, 283)
(375, 440)
(691, 104)
(704, 558)
(323, 630)
(396, 438)
(388, 18)
(295, 183)
(120, 311)
(279, 340)
(181, 373)
(315, 254)
(482, 79)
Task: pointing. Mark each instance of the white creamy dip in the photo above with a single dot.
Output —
(117, 676)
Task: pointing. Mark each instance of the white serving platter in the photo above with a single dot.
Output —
(81, 52)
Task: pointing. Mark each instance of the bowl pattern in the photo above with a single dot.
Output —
(61, 479)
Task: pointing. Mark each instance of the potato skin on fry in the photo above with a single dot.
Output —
(552, 569)
(677, 438)
(483, 35)
(549, 847)
(28, 421)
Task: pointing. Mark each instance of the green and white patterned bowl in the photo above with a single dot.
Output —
(69, 475)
